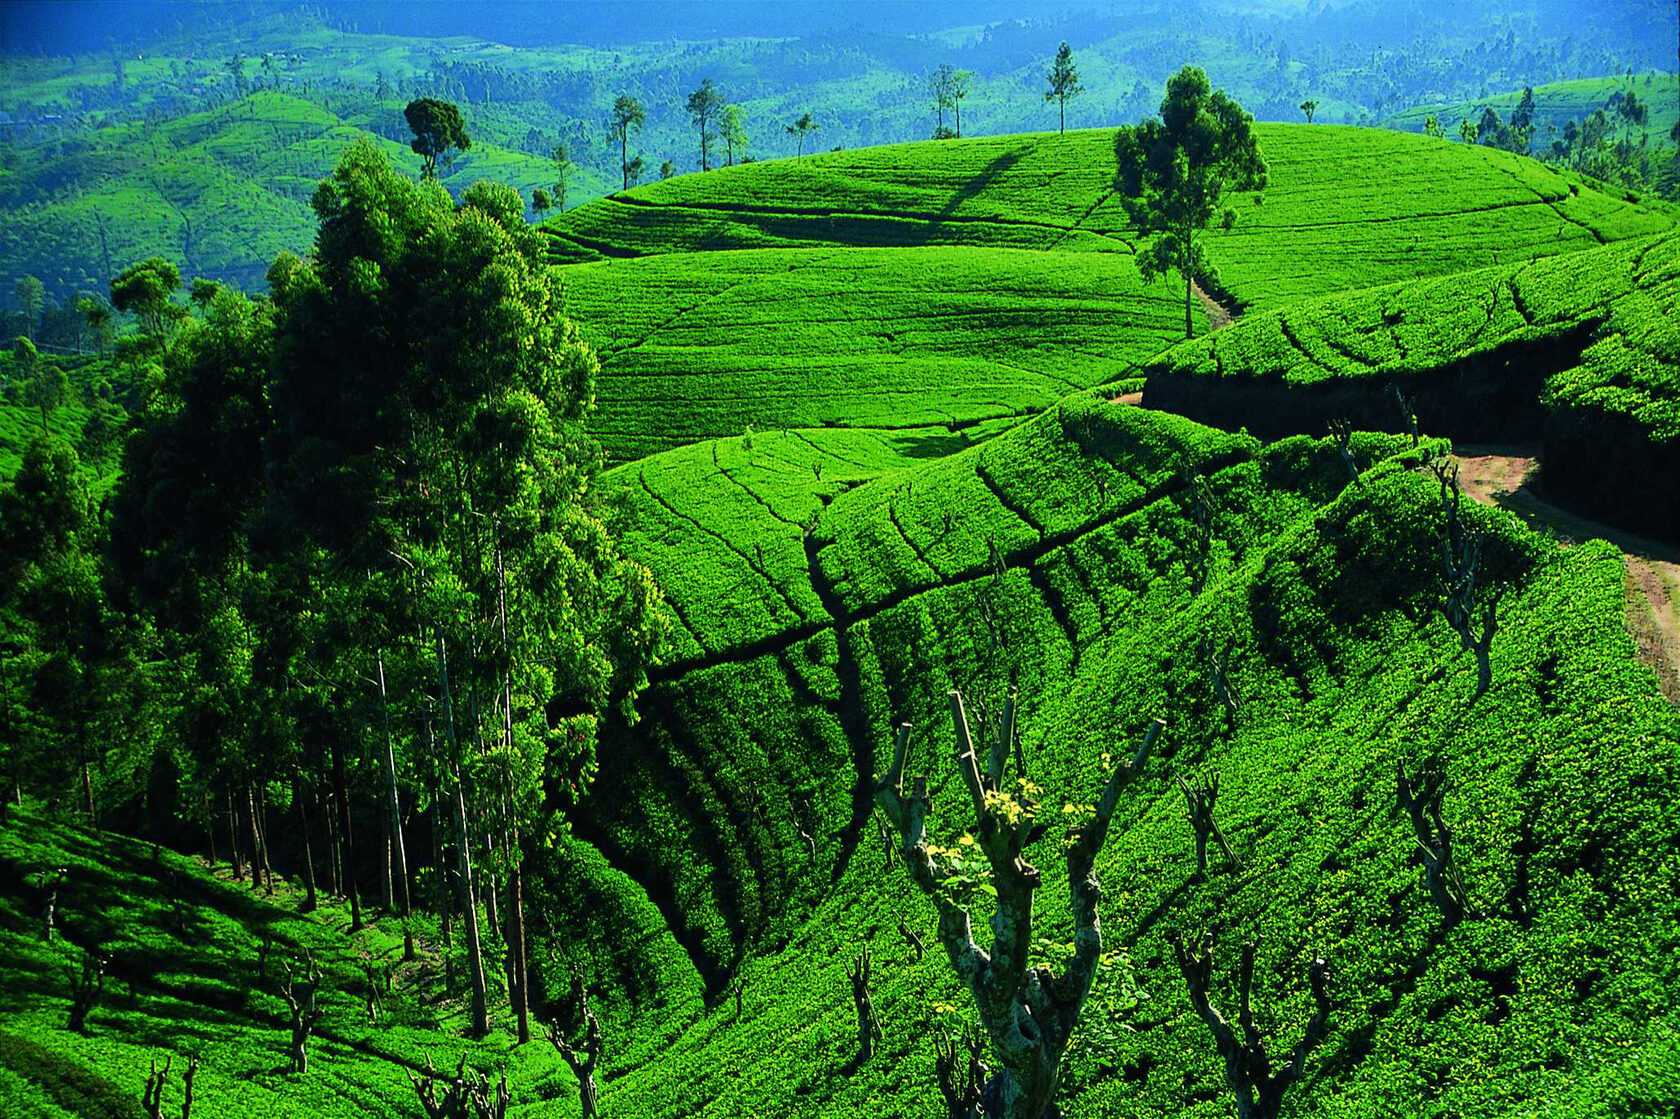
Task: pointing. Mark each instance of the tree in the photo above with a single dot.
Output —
(30, 295)
(540, 202)
(437, 128)
(1007, 991)
(1467, 131)
(583, 1057)
(800, 129)
(734, 132)
(1490, 130)
(962, 81)
(1522, 120)
(145, 289)
(1064, 82)
(1633, 112)
(1309, 107)
(705, 106)
(1432, 126)
(1172, 175)
(47, 386)
(667, 170)
(941, 86)
(627, 114)
(1248, 1065)
(427, 450)
(99, 318)
(563, 167)
(633, 171)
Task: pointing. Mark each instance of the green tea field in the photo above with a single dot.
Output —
(1015, 627)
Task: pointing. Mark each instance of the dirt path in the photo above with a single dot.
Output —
(1219, 315)
(1502, 476)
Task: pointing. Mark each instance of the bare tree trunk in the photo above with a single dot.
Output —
(469, 904)
(310, 901)
(87, 791)
(346, 846)
(233, 837)
(258, 858)
(397, 847)
(518, 989)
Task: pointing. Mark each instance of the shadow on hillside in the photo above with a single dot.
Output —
(991, 173)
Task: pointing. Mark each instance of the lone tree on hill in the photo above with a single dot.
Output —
(1172, 175)
(1248, 1067)
(800, 129)
(1064, 82)
(437, 128)
(962, 82)
(627, 114)
(942, 86)
(1309, 107)
(705, 106)
(1028, 1012)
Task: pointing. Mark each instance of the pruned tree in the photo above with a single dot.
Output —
(1200, 509)
(152, 1099)
(861, 973)
(1407, 407)
(733, 129)
(1342, 431)
(49, 912)
(1172, 175)
(1200, 794)
(1029, 1013)
(961, 1072)
(86, 985)
(583, 1057)
(265, 945)
(466, 1095)
(300, 1003)
(913, 941)
(1471, 613)
(1248, 1066)
(1219, 673)
(1420, 798)
(941, 86)
(1064, 82)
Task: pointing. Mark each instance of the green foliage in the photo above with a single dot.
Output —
(1172, 176)
(438, 129)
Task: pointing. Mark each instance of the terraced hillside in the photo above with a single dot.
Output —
(1061, 553)
(934, 345)
(1345, 207)
(1581, 352)
(1558, 103)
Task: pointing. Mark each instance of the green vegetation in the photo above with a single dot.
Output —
(927, 343)
(573, 648)
(1590, 338)
(1344, 208)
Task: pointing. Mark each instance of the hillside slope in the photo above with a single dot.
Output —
(1076, 563)
(1344, 208)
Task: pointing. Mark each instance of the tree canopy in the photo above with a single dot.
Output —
(437, 128)
(1173, 175)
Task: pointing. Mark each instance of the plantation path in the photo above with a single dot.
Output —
(1499, 475)
(1219, 317)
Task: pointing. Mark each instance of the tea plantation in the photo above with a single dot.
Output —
(863, 423)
